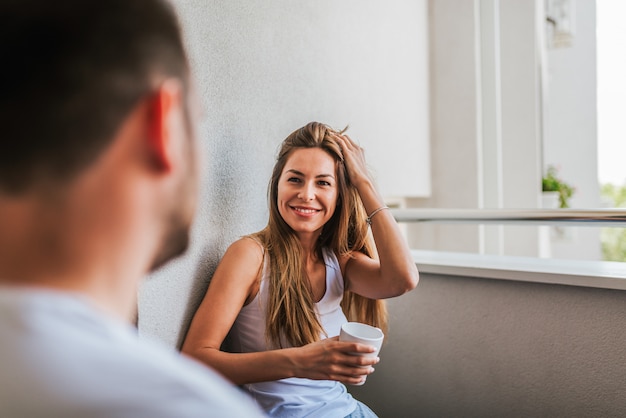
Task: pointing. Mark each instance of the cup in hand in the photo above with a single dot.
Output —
(357, 332)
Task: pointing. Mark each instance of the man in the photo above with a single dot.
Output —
(97, 188)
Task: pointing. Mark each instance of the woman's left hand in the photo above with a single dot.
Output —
(354, 159)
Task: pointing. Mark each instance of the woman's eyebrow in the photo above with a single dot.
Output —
(294, 171)
(325, 175)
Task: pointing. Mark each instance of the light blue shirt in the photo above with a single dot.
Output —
(60, 357)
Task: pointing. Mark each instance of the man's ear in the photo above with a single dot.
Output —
(165, 113)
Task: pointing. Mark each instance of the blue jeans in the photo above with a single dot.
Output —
(362, 411)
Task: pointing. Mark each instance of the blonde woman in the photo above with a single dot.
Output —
(283, 293)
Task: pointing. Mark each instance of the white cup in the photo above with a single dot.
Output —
(357, 332)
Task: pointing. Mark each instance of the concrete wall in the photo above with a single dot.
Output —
(466, 347)
(265, 69)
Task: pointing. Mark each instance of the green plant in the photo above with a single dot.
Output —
(552, 183)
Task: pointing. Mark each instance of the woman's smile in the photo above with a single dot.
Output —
(307, 212)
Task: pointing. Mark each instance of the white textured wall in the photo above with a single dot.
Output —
(264, 69)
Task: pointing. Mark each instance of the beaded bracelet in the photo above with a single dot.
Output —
(371, 215)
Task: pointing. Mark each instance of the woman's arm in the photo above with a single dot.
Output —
(394, 273)
(236, 282)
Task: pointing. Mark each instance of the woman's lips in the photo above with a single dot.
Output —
(303, 211)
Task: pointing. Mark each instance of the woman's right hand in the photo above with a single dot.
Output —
(331, 359)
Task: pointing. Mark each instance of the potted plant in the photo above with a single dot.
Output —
(552, 183)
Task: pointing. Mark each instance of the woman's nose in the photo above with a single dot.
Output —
(307, 193)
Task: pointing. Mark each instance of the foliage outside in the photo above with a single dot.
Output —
(552, 183)
(614, 239)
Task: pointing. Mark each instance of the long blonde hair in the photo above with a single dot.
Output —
(291, 316)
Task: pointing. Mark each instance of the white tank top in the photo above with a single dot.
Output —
(295, 397)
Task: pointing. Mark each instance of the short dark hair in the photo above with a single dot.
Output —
(71, 72)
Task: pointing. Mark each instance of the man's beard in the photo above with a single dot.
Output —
(182, 206)
(174, 244)
(177, 221)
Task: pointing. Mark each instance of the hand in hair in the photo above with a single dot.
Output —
(354, 159)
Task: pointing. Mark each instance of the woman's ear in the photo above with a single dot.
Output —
(165, 123)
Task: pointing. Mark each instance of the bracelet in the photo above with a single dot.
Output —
(369, 218)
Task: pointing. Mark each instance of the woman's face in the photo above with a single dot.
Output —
(307, 190)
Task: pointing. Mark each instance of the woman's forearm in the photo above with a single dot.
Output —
(328, 359)
(242, 368)
(397, 267)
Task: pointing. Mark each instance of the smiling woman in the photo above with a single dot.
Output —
(307, 192)
(283, 293)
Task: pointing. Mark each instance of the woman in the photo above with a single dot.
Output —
(284, 289)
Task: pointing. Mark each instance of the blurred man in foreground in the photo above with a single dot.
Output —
(97, 188)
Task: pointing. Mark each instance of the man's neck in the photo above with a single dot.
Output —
(41, 248)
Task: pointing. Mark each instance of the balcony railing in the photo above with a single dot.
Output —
(574, 217)
(577, 272)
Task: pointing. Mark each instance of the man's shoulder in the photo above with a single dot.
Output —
(74, 357)
(159, 379)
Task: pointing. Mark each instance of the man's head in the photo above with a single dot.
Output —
(72, 73)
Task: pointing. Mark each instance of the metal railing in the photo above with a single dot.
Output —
(563, 217)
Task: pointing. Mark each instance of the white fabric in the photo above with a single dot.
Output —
(296, 397)
(59, 357)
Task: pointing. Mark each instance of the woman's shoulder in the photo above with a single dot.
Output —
(242, 263)
(243, 258)
(247, 247)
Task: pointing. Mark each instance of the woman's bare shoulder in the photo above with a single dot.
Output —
(248, 243)
(246, 250)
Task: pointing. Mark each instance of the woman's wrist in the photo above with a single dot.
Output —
(289, 358)
(374, 212)
(369, 194)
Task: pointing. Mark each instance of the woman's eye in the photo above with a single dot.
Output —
(293, 180)
(323, 183)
